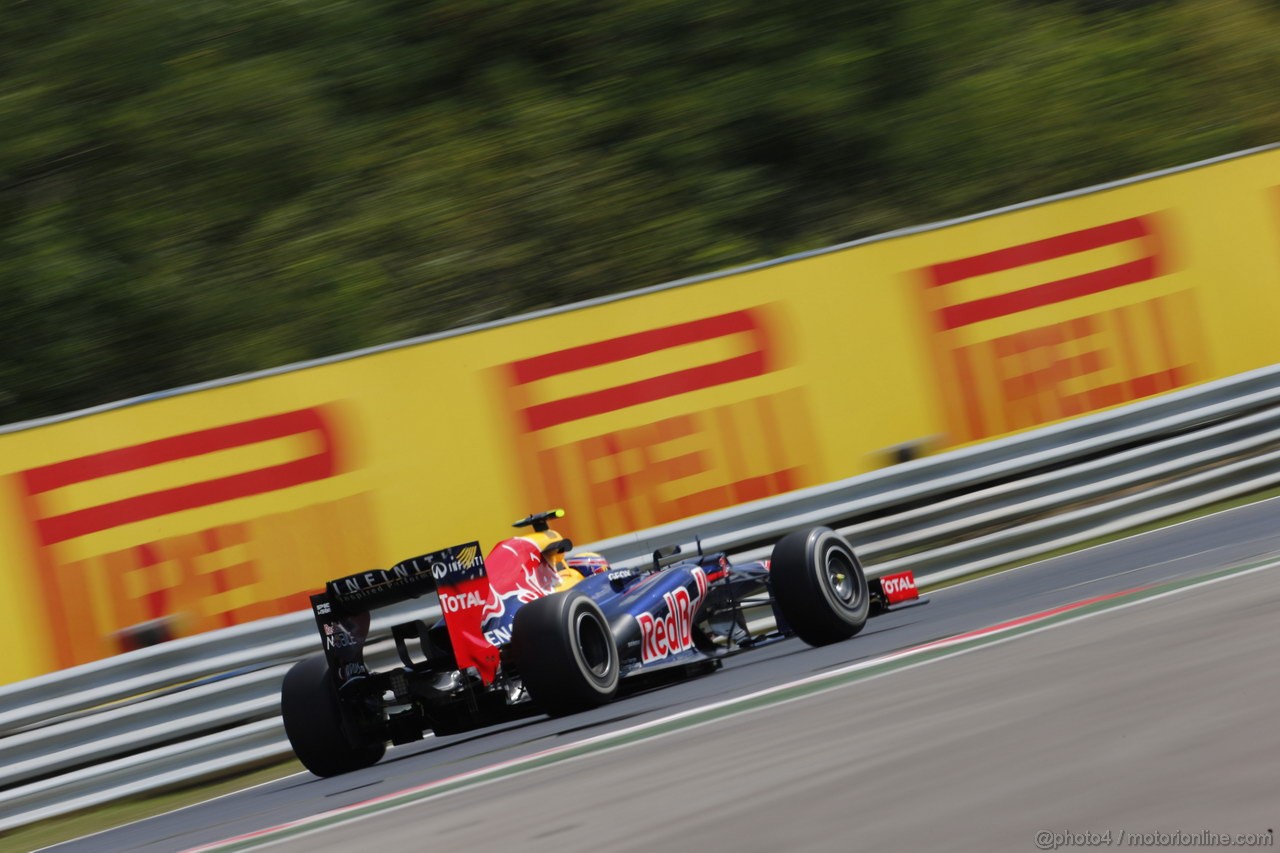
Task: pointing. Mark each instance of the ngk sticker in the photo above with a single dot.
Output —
(899, 587)
(663, 636)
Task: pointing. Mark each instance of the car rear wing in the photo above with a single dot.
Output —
(342, 610)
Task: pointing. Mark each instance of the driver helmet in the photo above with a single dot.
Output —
(588, 563)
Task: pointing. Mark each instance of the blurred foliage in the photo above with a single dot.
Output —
(196, 189)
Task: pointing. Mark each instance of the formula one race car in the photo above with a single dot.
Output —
(529, 629)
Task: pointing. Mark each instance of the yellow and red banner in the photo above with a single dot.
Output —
(219, 506)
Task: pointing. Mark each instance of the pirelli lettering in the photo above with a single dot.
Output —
(1034, 332)
(649, 427)
(122, 536)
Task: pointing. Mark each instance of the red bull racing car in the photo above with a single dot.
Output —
(532, 628)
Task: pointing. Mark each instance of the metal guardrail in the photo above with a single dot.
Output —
(186, 662)
(1060, 507)
(196, 707)
(903, 487)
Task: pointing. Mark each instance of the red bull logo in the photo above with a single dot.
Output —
(539, 580)
(493, 608)
(495, 620)
(663, 636)
(516, 571)
(516, 568)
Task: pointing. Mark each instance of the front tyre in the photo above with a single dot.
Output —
(565, 654)
(819, 586)
(313, 720)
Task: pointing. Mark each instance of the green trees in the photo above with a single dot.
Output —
(191, 190)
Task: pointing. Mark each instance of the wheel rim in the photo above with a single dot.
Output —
(841, 577)
(594, 643)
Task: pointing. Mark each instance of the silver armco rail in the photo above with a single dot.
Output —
(207, 705)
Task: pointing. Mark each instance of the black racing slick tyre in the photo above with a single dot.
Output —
(565, 653)
(819, 586)
(313, 720)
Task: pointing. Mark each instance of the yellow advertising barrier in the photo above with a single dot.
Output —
(223, 505)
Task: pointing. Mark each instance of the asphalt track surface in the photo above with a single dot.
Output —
(1156, 717)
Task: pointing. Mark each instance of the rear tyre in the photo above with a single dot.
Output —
(324, 742)
(565, 653)
(819, 586)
